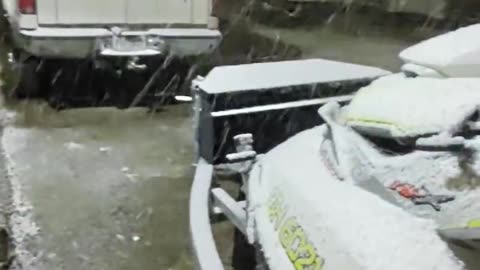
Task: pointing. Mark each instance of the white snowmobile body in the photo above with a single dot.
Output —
(321, 199)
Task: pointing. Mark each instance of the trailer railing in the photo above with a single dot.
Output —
(205, 252)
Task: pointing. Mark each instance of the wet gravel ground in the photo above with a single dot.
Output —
(329, 44)
(100, 188)
(107, 188)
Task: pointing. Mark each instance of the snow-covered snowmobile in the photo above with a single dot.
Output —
(343, 166)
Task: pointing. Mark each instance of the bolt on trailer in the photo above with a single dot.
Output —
(243, 111)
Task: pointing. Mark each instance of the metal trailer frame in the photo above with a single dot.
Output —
(208, 201)
(205, 252)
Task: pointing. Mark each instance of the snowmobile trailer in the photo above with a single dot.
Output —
(396, 143)
(266, 101)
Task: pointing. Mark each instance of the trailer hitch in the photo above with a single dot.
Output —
(223, 203)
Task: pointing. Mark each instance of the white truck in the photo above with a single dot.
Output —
(129, 29)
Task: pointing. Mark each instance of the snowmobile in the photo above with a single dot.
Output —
(342, 166)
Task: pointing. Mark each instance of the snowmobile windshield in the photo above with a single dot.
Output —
(397, 107)
(456, 139)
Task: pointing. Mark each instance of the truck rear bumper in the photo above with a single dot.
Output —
(64, 42)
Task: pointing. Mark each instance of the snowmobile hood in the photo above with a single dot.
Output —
(302, 214)
(454, 54)
(399, 107)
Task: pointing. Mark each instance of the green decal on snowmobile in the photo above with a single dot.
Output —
(474, 223)
(299, 249)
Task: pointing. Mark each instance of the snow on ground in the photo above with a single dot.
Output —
(72, 146)
(379, 51)
(71, 200)
(22, 224)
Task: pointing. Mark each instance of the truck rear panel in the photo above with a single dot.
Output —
(123, 12)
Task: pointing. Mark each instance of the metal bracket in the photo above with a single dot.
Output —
(233, 210)
(245, 155)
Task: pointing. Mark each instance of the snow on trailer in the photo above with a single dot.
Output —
(283, 74)
(272, 101)
(266, 101)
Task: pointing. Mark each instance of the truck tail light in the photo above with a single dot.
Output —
(27, 6)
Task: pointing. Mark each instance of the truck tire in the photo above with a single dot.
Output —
(29, 79)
